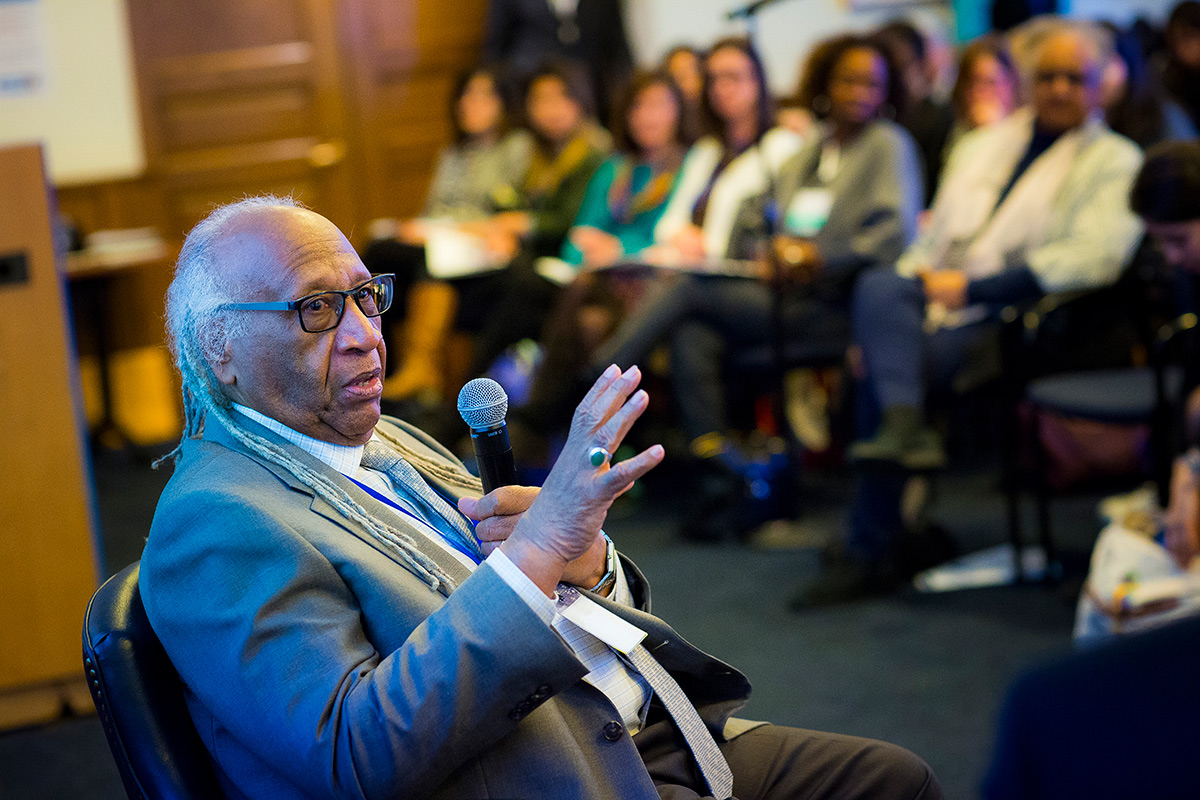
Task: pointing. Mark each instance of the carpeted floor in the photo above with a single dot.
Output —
(925, 671)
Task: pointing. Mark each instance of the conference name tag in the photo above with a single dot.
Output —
(606, 626)
(808, 212)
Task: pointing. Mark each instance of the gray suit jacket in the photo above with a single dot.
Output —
(316, 665)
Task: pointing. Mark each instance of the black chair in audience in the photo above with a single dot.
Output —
(1072, 354)
(140, 699)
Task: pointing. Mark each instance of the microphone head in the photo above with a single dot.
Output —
(482, 404)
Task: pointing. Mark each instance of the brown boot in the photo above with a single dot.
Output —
(431, 307)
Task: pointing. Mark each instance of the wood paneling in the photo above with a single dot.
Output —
(402, 60)
(340, 103)
(46, 495)
(249, 104)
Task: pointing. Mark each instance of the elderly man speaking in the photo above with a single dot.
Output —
(350, 619)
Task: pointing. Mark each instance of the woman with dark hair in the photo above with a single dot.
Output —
(1134, 105)
(737, 158)
(624, 201)
(685, 65)
(569, 147)
(987, 90)
(1181, 74)
(475, 176)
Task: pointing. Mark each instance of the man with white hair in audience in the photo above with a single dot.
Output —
(1033, 204)
(348, 616)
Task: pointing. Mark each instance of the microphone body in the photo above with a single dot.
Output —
(483, 404)
(494, 454)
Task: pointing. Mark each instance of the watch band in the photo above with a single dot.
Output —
(609, 578)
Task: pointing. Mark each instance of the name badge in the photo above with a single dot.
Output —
(808, 212)
(606, 626)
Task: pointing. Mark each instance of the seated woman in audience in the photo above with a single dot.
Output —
(1181, 73)
(987, 90)
(528, 218)
(685, 65)
(848, 200)
(475, 176)
(1134, 105)
(569, 148)
(738, 159)
(624, 201)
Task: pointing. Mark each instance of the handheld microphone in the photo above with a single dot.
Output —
(483, 404)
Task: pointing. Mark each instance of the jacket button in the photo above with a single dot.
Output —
(613, 731)
(543, 693)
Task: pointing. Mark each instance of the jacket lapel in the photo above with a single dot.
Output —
(217, 433)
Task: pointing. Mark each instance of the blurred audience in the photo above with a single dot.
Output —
(927, 118)
(514, 222)
(570, 146)
(476, 176)
(1035, 203)
(522, 35)
(1134, 105)
(624, 202)
(739, 159)
(848, 199)
(1181, 72)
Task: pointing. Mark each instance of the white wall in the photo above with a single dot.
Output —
(87, 117)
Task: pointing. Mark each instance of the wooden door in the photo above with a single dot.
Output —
(241, 98)
(403, 58)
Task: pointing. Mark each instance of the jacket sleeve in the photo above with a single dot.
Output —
(270, 640)
(1099, 230)
(888, 209)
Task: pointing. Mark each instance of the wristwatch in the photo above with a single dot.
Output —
(609, 578)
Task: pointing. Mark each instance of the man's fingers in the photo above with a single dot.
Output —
(602, 383)
(611, 400)
(620, 475)
(495, 529)
(614, 430)
(503, 501)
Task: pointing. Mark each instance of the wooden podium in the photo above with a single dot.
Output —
(48, 566)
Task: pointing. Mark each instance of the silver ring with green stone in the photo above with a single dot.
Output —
(598, 456)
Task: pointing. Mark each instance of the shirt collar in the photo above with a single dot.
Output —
(343, 458)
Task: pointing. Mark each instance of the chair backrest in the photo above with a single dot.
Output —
(140, 698)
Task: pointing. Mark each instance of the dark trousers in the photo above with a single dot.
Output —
(902, 360)
(781, 763)
(708, 320)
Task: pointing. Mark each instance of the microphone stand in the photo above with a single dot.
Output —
(749, 12)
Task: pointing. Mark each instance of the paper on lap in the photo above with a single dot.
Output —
(453, 253)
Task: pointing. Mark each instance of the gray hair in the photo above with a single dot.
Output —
(1028, 38)
(198, 331)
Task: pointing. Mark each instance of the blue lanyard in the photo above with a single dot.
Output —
(390, 502)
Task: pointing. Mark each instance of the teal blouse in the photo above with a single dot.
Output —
(635, 235)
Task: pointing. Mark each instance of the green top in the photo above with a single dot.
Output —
(600, 209)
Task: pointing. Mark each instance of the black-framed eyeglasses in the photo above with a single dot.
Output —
(323, 311)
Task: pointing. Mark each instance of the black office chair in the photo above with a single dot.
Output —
(140, 699)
